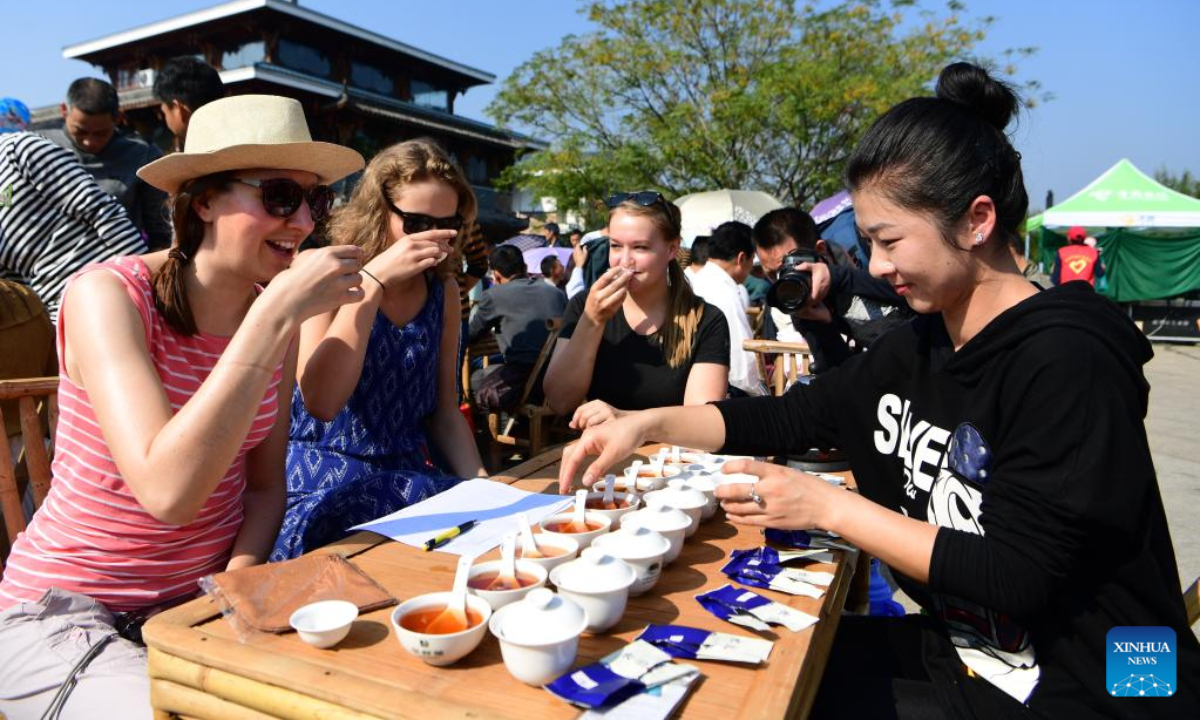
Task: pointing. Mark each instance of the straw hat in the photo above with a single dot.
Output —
(247, 132)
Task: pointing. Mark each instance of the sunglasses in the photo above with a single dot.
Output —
(416, 222)
(648, 198)
(282, 197)
(645, 198)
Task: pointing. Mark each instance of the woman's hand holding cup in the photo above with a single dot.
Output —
(411, 255)
(318, 281)
(606, 295)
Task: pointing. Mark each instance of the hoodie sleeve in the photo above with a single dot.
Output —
(1071, 469)
(803, 418)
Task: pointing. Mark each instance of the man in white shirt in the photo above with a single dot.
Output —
(719, 282)
(699, 256)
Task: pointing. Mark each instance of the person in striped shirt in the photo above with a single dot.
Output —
(175, 376)
(54, 218)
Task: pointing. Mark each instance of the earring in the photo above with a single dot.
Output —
(978, 237)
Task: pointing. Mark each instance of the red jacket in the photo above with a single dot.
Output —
(1077, 262)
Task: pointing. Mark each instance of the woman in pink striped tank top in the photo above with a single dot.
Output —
(176, 373)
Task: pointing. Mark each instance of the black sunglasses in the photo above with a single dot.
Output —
(416, 222)
(282, 197)
(649, 198)
(645, 198)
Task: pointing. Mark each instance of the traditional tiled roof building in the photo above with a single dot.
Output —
(359, 88)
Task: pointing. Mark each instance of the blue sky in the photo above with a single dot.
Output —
(1123, 73)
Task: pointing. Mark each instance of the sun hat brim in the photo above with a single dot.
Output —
(327, 161)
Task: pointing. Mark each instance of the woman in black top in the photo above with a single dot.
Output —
(639, 338)
(997, 442)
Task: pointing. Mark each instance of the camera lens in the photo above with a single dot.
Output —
(790, 293)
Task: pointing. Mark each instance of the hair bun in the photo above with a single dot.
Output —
(972, 86)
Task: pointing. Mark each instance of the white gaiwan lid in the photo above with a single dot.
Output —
(633, 542)
(541, 618)
(662, 518)
(595, 571)
(677, 497)
(700, 483)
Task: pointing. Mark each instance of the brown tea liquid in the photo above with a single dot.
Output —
(418, 621)
(599, 504)
(543, 551)
(568, 527)
(491, 581)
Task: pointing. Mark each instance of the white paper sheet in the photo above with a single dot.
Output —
(493, 505)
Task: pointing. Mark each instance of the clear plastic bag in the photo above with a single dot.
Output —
(261, 599)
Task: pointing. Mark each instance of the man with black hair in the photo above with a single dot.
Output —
(551, 232)
(553, 271)
(183, 86)
(699, 256)
(719, 283)
(517, 307)
(846, 301)
(90, 116)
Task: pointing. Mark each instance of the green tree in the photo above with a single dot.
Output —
(1185, 183)
(687, 95)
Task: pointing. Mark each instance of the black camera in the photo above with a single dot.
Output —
(791, 291)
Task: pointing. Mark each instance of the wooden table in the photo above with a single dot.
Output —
(199, 669)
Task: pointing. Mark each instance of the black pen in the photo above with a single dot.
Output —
(439, 540)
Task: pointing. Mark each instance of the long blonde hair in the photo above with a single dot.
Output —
(363, 221)
(684, 309)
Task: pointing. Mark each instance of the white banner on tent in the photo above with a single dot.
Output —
(1121, 219)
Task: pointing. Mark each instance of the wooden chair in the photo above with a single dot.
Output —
(537, 416)
(485, 347)
(756, 314)
(32, 396)
(789, 361)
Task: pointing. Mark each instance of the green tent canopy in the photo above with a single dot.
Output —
(1149, 233)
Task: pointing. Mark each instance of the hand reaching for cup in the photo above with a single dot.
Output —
(611, 442)
(411, 255)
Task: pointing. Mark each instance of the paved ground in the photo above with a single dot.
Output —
(1173, 425)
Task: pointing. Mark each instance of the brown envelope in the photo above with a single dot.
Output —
(265, 596)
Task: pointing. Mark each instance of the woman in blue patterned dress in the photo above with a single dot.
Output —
(376, 379)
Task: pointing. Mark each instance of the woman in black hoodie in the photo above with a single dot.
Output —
(997, 441)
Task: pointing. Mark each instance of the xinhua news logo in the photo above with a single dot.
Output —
(1141, 662)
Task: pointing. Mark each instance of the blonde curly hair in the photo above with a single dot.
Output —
(363, 221)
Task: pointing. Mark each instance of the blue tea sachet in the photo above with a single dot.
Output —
(761, 567)
(749, 609)
(634, 669)
(689, 642)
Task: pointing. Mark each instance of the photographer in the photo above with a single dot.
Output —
(825, 296)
